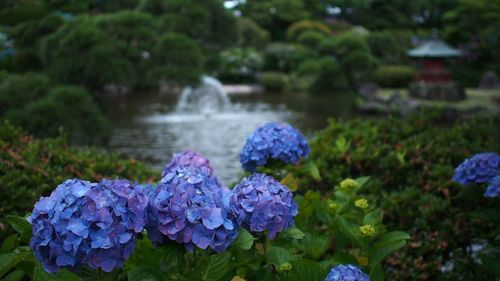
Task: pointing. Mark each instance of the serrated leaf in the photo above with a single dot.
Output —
(292, 233)
(213, 267)
(305, 270)
(21, 226)
(244, 240)
(278, 256)
(290, 182)
(8, 261)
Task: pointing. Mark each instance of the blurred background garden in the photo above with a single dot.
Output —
(400, 91)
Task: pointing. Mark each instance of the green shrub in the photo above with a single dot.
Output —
(296, 29)
(274, 81)
(179, 58)
(16, 91)
(329, 78)
(414, 160)
(395, 76)
(251, 34)
(311, 39)
(67, 107)
(285, 57)
(80, 52)
(30, 168)
(390, 46)
(239, 65)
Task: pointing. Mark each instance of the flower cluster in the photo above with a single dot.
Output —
(480, 168)
(262, 203)
(83, 223)
(187, 158)
(190, 206)
(346, 273)
(273, 141)
(493, 189)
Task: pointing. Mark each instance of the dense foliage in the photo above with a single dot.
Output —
(31, 167)
(412, 163)
(260, 230)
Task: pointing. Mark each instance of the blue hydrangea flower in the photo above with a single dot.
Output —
(83, 223)
(273, 141)
(187, 158)
(190, 206)
(493, 189)
(480, 168)
(262, 203)
(346, 273)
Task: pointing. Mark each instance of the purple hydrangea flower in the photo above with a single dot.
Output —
(273, 141)
(187, 158)
(346, 273)
(262, 203)
(493, 189)
(480, 168)
(190, 206)
(83, 223)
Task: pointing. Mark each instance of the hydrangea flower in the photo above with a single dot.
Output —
(480, 168)
(273, 141)
(262, 203)
(187, 158)
(346, 273)
(190, 206)
(493, 189)
(83, 223)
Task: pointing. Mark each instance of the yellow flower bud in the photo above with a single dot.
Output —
(286, 266)
(333, 206)
(367, 230)
(348, 185)
(361, 203)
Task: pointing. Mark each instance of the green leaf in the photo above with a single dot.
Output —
(143, 273)
(14, 276)
(315, 245)
(312, 170)
(374, 217)
(244, 240)
(386, 245)
(292, 233)
(305, 270)
(350, 230)
(21, 226)
(63, 275)
(8, 261)
(290, 182)
(145, 254)
(9, 244)
(362, 181)
(278, 256)
(213, 267)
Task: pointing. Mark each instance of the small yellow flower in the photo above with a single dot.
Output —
(367, 230)
(333, 206)
(348, 185)
(286, 266)
(361, 203)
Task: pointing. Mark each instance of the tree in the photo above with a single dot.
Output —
(80, 53)
(179, 59)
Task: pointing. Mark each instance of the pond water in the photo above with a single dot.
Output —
(148, 127)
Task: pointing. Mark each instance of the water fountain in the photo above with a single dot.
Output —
(208, 98)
